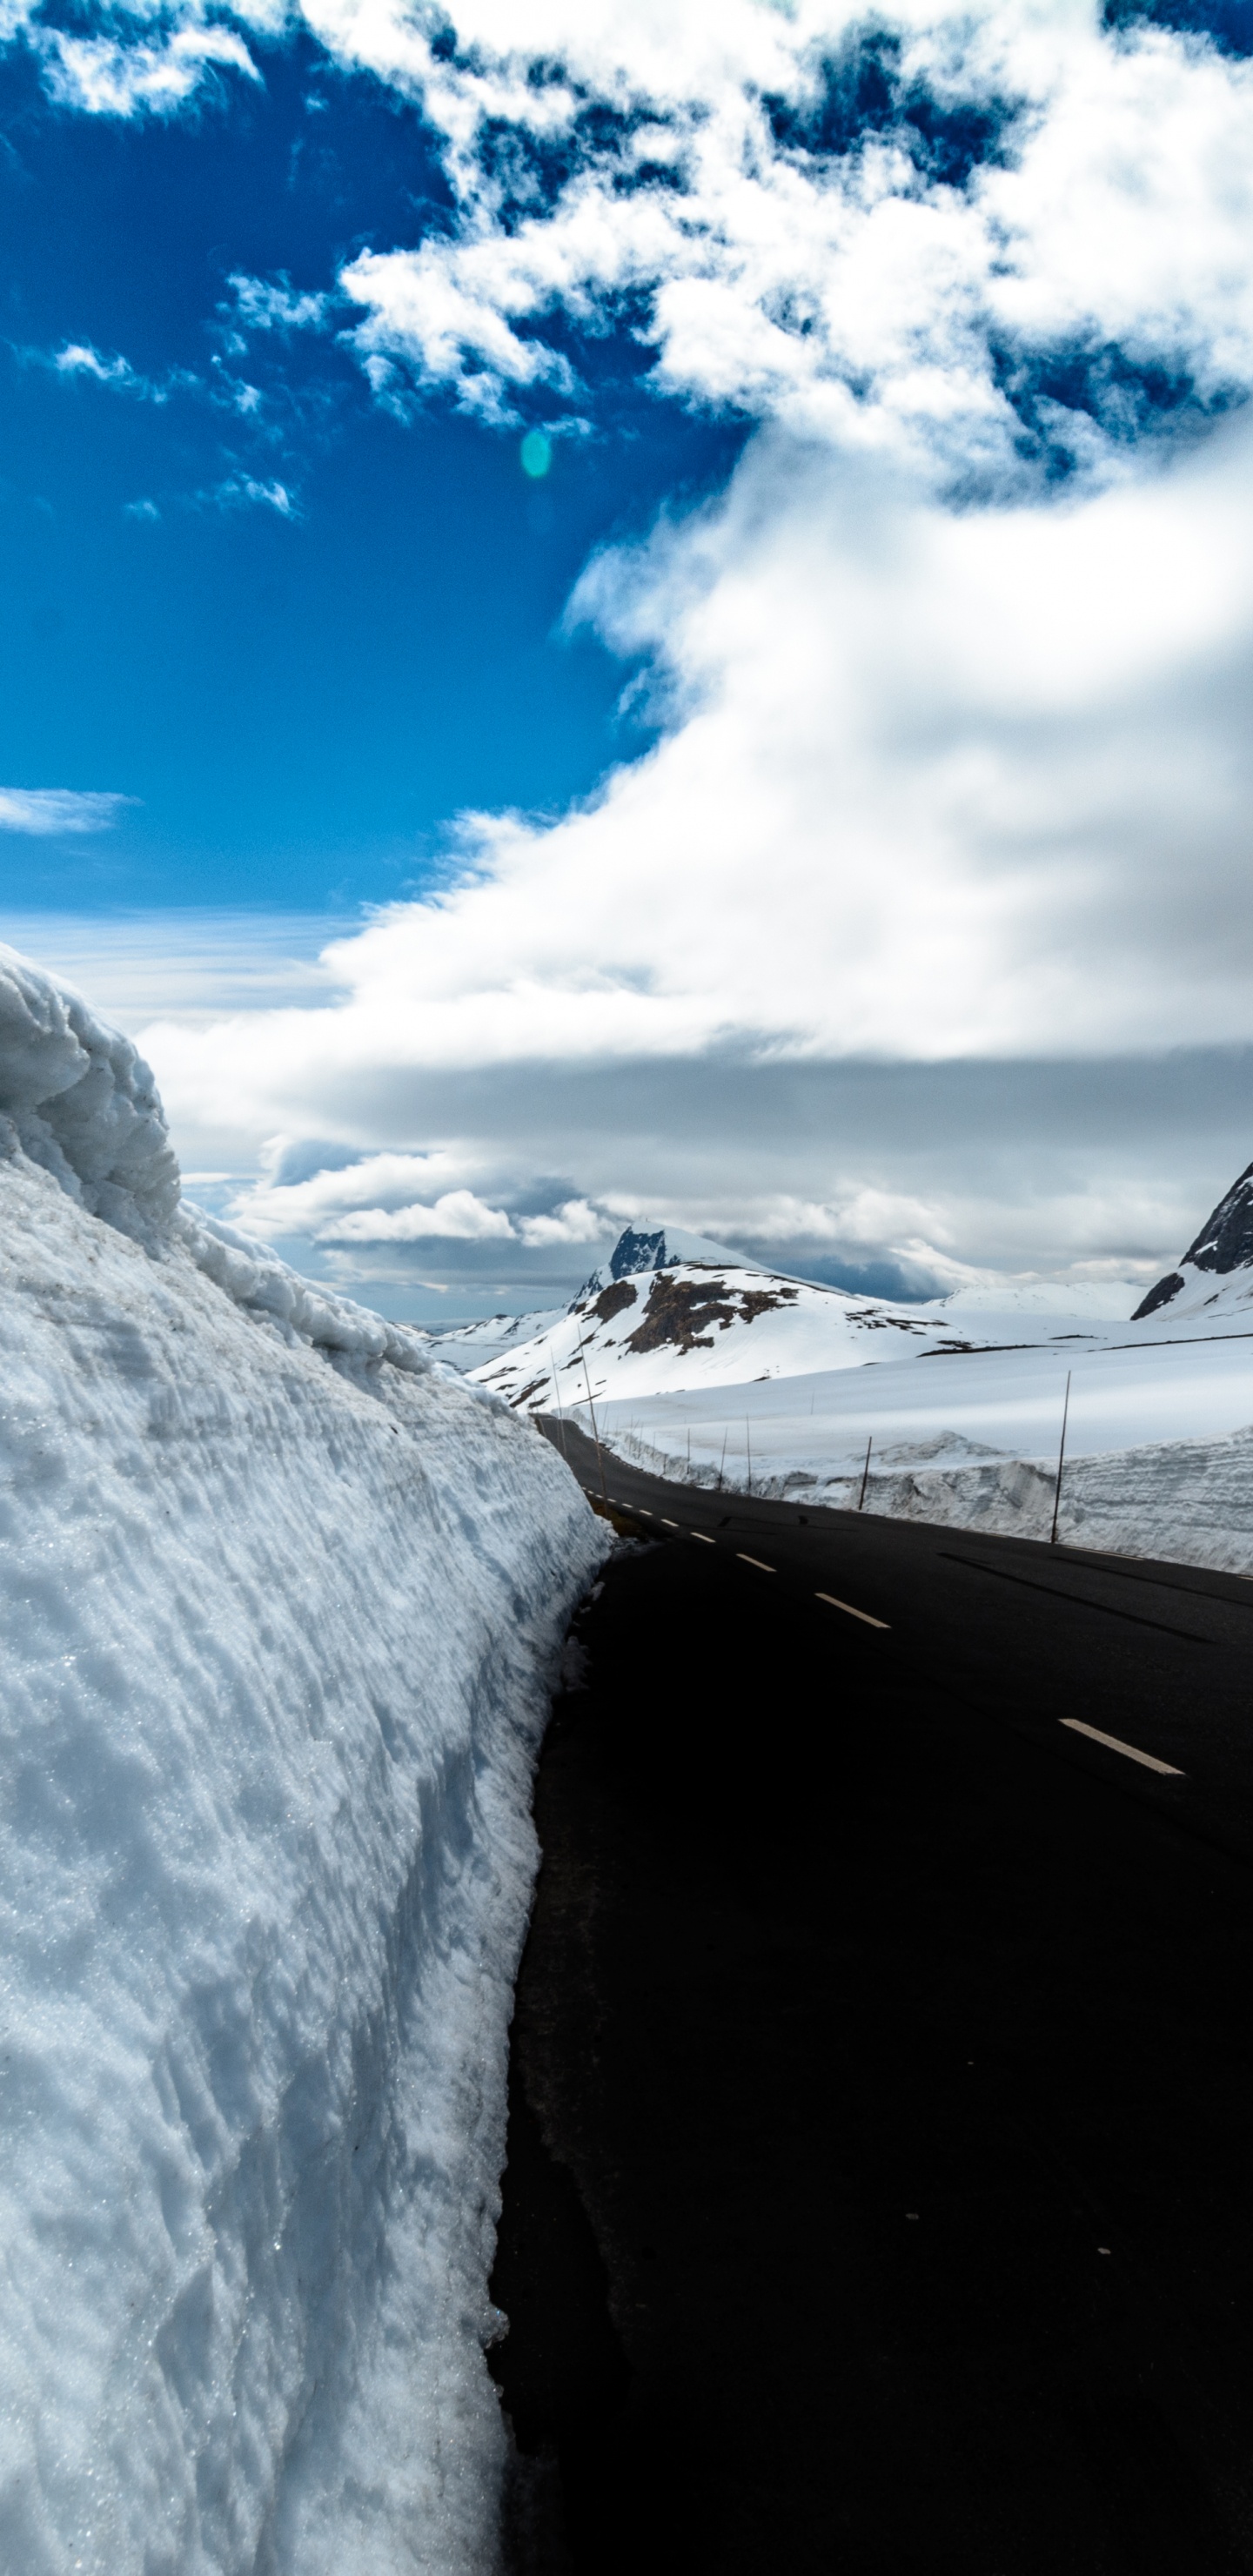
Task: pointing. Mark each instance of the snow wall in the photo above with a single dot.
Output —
(281, 1603)
(1188, 1502)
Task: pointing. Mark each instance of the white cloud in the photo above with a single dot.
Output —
(859, 295)
(938, 788)
(244, 492)
(858, 285)
(128, 75)
(457, 1217)
(377, 1182)
(271, 304)
(941, 786)
(44, 811)
(78, 358)
(575, 1222)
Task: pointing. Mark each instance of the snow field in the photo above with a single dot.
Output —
(1159, 1445)
(282, 1605)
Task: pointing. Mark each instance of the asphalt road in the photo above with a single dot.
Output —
(880, 2183)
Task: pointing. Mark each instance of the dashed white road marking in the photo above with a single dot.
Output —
(665, 1523)
(704, 1539)
(1132, 1751)
(853, 1614)
(754, 1560)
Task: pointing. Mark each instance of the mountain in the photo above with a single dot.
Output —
(700, 1323)
(470, 1346)
(660, 1248)
(1216, 1272)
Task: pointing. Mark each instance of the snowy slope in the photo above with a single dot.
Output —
(471, 1346)
(699, 1324)
(1214, 1280)
(1010, 1301)
(1159, 1441)
(280, 1604)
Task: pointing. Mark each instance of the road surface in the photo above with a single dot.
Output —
(880, 2185)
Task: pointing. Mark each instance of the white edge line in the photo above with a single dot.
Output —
(853, 1614)
(1132, 1751)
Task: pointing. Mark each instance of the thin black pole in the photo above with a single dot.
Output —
(561, 1419)
(748, 1434)
(864, 1473)
(595, 1433)
(1061, 1456)
(723, 1459)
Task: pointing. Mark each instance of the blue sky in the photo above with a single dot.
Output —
(813, 809)
(299, 699)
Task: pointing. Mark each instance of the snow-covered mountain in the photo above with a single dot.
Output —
(470, 1346)
(700, 1323)
(280, 1603)
(1215, 1275)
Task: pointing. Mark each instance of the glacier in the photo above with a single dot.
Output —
(283, 1603)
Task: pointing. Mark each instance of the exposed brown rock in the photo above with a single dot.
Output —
(612, 1300)
(680, 1311)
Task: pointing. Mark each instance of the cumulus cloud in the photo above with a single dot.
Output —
(940, 785)
(876, 229)
(953, 234)
(576, 1222)
(458, 1217)
(44, 811)
(374, 1181)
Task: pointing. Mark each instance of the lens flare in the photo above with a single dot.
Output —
(537, 454)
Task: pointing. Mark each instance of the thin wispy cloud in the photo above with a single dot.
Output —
(46, 811)
(127, 74)
(248, 492)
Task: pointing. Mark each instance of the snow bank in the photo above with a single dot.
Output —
(1159, 1444)
(281, 1603)
(1187, 1501)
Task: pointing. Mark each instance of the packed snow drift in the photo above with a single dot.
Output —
(281, 1605)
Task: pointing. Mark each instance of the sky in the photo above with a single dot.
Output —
(616, 612)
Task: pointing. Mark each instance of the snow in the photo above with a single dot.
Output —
(1084, 1301)
(1159, 1440)
(700, 1324)
(1214, 1279)
(282, 1602)
(471, 1346)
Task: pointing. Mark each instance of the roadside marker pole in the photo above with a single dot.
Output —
(864, 1473)
(595, 1433)
(1061, 1456)
(748, 1434)
(723, 1459)
(561, 1419)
